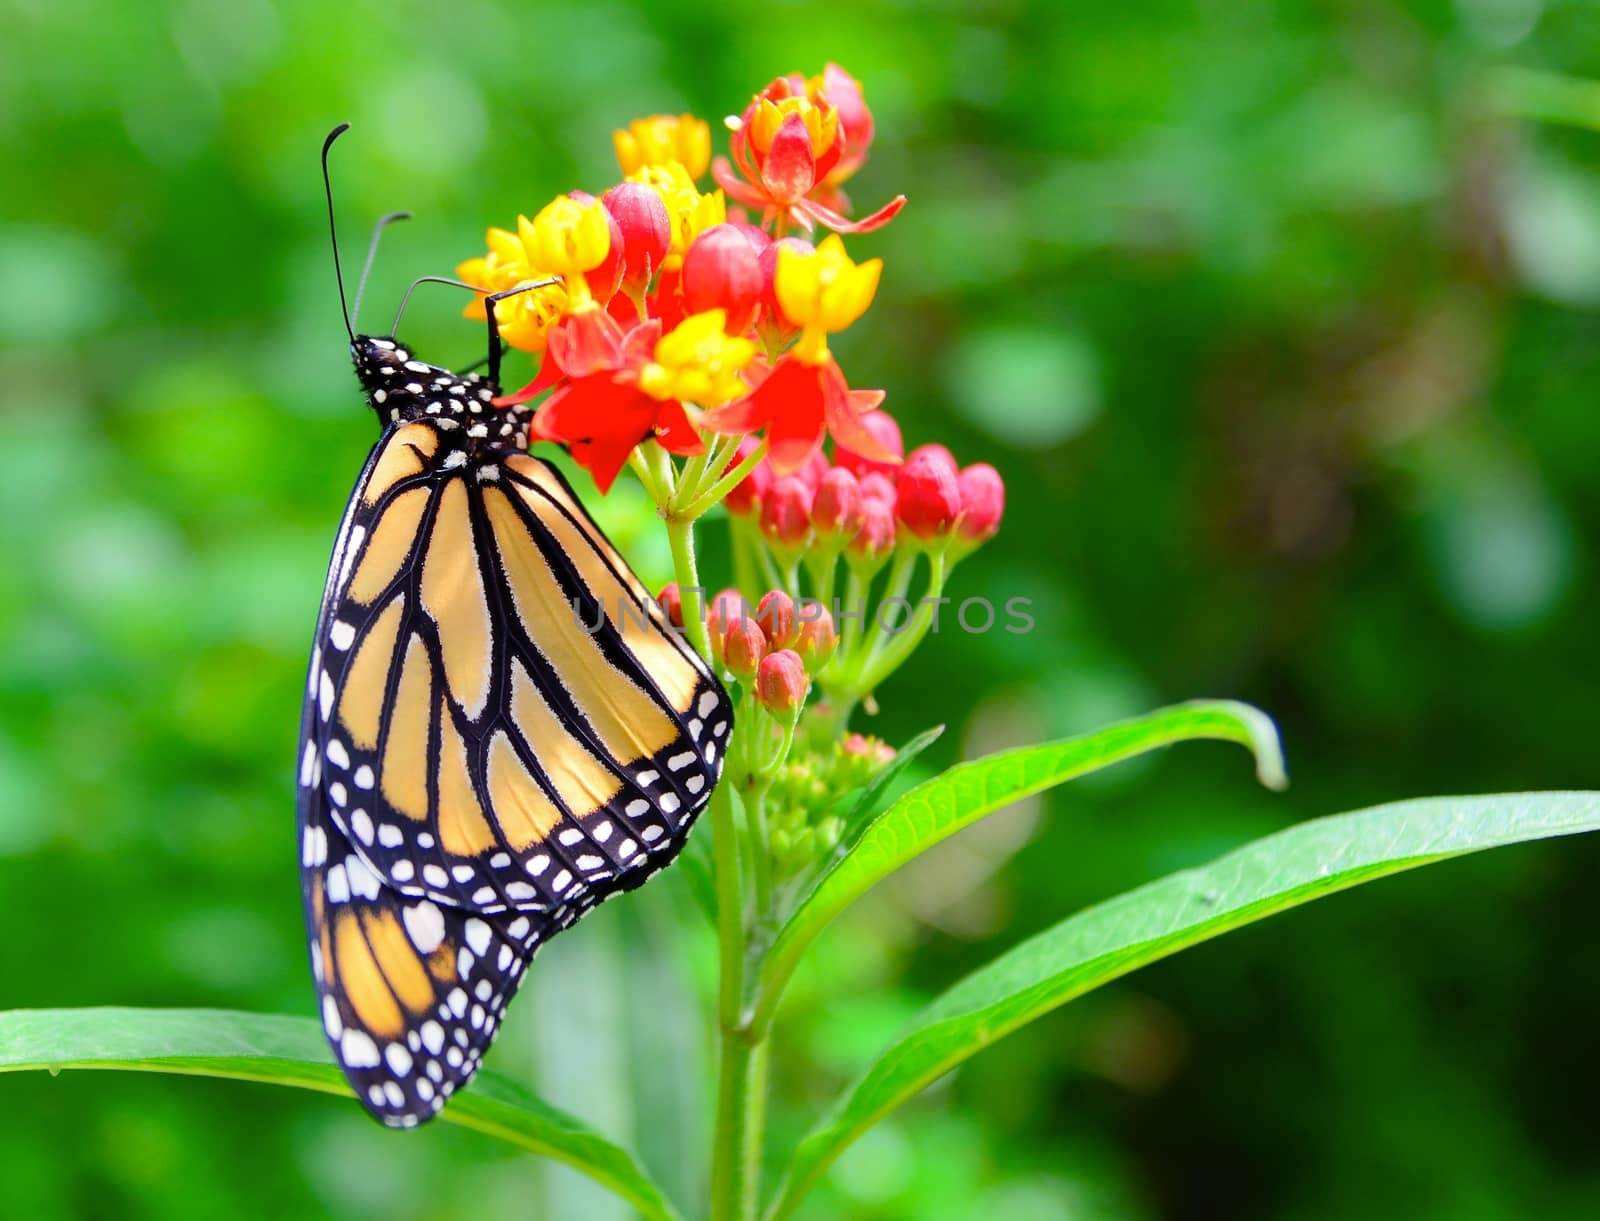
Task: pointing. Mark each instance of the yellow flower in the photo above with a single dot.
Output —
(822, 292)
(822, 122)
(691, 212)
(567, 238)
(661, 138)
(698, 362)
(526, 317)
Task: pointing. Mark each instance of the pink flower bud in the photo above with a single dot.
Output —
(927, 497)
(645, 228)
(937, 452)
(776, 615)
(760, 239)
(786, 512)
(782, 684)
(772, 316)
(725, 608)
(670, 600)
(750, 491)
(836, 510)
(875, 539)
(874, 749)
(744, 645)
(983, 502)
(886, 432)
(875, 485)
(721, 270)
(814, 468)
(818, 639)
(604, 280)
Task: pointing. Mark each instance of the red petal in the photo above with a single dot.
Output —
(839, 224)
(843, 416)
(593, 408)
(792, 438)
(674, 433)
(586, 343)
(639, 344)
(549, 374)
(602, 459)
(790, 169)
(735, 186)
(740, 416)
(830, 156)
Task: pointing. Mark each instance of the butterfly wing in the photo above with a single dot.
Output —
(500, 724)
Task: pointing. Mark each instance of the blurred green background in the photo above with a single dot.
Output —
(1283, 333)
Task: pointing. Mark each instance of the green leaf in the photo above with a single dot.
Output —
(940, 807)
(291, 1051)
(869, 804)
(1105, 942)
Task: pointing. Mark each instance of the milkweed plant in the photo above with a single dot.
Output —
(683, 332)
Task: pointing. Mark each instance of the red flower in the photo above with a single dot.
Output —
(799, 403)
(602, 418)
(786, 144)
(599, 411)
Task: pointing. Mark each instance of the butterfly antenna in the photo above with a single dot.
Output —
(406, 300)
(333, 230)
(372, 254)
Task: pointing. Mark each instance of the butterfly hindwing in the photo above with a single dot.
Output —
(410, 991)
(499, 724)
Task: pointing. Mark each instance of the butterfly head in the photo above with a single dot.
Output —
(401, 388)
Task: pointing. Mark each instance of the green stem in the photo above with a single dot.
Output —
(755, 809)
(745, 546)
(701, 500)
(741, 1084)
(680, 534)
(899, 585)
(741, 1122)
(891, 653)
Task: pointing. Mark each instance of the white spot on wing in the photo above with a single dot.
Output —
(425, 926)
(358, 1050)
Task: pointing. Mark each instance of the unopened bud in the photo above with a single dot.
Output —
(886, 432)
(983, 502)
(875, 485)
(939, 453)
(725, 608)
(813, 469)
(776, 615)
(875, 539)
(786, 512)
(645, 228)
(817, 641)
(721, 271)
(836, 509)
(927, 498)
(829, 832)
(782, 684)
(670, 599)
(744, 645)
(750, 491)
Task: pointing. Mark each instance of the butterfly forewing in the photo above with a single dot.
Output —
(500, 727)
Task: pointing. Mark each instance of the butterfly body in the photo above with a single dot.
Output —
(501, 730)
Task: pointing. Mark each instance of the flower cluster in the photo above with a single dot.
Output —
(865, 513)
(682, 329)
(660, 315)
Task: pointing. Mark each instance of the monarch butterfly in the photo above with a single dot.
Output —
(485, 754)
